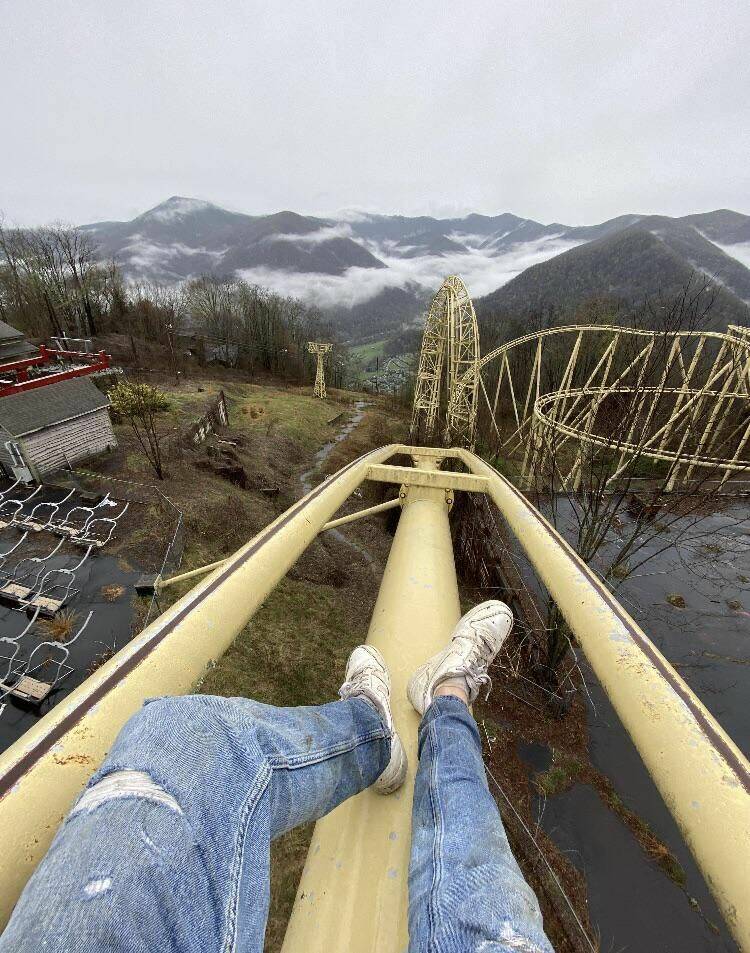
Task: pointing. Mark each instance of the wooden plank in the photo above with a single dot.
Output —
(46, 605)
(15, 591)
(33, 525)
(71, 531)
(28, 689)
(87, 541)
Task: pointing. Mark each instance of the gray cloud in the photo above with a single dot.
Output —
(573, 113)
(317, 237)
(740, 251)
(481, 270)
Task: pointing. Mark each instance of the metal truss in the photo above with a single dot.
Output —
(680, 397)
(447, 378)
(320, 350)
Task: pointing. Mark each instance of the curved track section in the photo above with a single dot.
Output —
(680, 397)
(551, 397)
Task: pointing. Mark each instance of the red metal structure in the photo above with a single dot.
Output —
(20, 369)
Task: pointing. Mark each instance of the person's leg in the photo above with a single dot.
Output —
(168, 847)
(466, 891)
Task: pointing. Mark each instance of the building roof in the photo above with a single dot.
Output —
(8, 333)
(13, 344)
(14, 350)
(51, 404)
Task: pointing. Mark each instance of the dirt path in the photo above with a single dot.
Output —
(307, 480)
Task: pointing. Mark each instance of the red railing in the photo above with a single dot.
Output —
(92, 362)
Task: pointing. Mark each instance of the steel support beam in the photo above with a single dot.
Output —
(352, 896)
(363, 514)
(160, 583)
(445, 479)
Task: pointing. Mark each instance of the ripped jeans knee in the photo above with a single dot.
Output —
(124, 784)
(169, 748)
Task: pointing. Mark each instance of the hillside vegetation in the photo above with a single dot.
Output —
(625, 268)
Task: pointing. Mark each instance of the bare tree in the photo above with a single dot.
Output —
(52, 273)
(78, 252)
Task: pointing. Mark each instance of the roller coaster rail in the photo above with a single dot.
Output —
(688, 391)
(346, 900)
(681, 418)
(447, 367)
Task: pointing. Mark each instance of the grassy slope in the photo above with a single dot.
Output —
(363, 355)
(367, 352)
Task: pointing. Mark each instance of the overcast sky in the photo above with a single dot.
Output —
(571, 112)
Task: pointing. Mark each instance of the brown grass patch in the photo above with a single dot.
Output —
(59, 628)
(98, 660)
(112, 592)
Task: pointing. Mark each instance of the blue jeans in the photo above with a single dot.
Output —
(168, 847)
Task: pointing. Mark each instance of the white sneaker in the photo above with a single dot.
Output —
(475, 642)
(367, 676)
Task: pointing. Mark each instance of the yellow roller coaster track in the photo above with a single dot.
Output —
(687, 394)
(447, 368)
(353, 892)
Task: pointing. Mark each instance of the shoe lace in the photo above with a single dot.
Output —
(355, 685)
(349, 688)
(477, 662)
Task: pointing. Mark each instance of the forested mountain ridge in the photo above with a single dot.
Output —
(644, 260)
(182, 238)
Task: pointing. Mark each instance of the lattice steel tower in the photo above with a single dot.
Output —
(445, 397)
(314, 347)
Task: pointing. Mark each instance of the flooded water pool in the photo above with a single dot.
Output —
(98, 582)
(102, 587)
(633, 904)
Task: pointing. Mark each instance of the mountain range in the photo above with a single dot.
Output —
(375, 272)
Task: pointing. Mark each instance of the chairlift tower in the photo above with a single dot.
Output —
(315, 347)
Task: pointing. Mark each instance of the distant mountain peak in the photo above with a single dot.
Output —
(175, 208)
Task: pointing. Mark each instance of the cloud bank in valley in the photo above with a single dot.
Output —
(740, 251)
(325, 234)
(482, 270)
